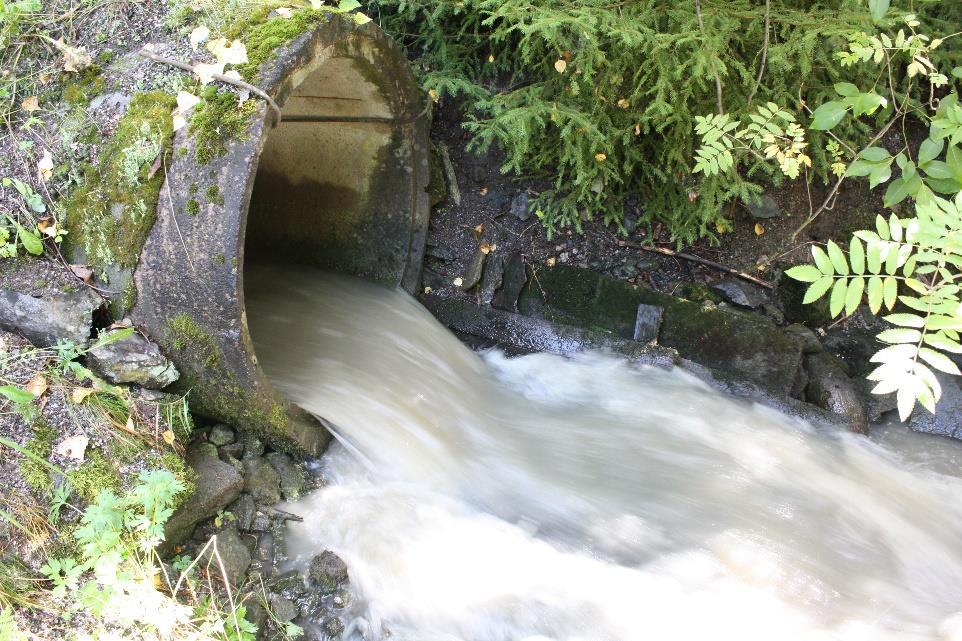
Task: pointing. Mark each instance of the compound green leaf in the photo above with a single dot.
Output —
(853, 297)
(875, 294)
(838, 258)
(817, 289)
(805, 273)
(836, 302)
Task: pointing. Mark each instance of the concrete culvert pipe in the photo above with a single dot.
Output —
(340, 183)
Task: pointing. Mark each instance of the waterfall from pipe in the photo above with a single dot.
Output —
(479, 497)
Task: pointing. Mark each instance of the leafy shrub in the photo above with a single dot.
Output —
(908, 265)
(600, 96)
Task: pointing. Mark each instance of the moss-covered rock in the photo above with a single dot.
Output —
(739, 343)
(218, 120)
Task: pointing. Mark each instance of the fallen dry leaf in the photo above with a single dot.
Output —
(156, 165)
(484, 191)
(284, 12)
(37, 385)
(45, 166)
(73, 447)
(206, 72)
(233, 53)
(601, 157)
(198, 35)
(75, 59)
(427, 290)
(168, 437)
(560, 65)
(551, 261)
(80, 394)
(30, 104)
(623, 104)
(82, 272)
(485, 248)
(47, 227)
(637, 129)
(759, 229)
(458, 281)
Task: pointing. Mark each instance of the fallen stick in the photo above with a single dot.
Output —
(701, 261)
(147, 53)
(453, 190)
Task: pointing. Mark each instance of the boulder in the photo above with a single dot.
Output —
(261, 480)
(220, 435)
(763, 207)
(293, 479)
(741, 293)
(45, 320)
(729, 340)
(243, 510)
(520, 208)
(135, 360)
(512, 282)
(830, 387)
(218, 484)
(327, 572)
(947, 420)
(234, 556)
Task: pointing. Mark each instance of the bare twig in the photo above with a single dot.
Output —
(147, 53)
(714, 68)
(702, 261)
(761, 67)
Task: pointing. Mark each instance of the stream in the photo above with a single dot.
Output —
(479, 497)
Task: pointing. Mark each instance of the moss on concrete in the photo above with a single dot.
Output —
(193, 207)
(111, 213)
(214, 196)
(218, 121)
(264, 35)
(84, 87)
(185, 333)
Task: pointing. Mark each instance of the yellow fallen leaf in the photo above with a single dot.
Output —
(485, 248)
(623, 104)
(458, 281)
(601, 157)
(73, 447)
(638, 130)
(560, 65)
(721, 227)
(45, 166)
(433, 95)
(759, 229)
(80, 394)
(30, 104)
(233, 53)
(284, 12)
(168, 436)
(207, 71)
(198, 35)
(37, 385)
(428, 290)
(551, 261)
(483, 191)
(491, 58)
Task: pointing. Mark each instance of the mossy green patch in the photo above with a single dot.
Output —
(96, 474)
(214, 196)
(263, 35)
(80, 90)
(193, 207)
(36, 475)
(111, 213)
(218, 121)
(185, 333)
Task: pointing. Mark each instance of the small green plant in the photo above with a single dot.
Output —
(911, 265)
(8, 627)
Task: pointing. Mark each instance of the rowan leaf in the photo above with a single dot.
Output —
(854, 295)
(804, 273)
(836, 302)
(818, 289)
(838, 258)
(939, 361)
(875, 294)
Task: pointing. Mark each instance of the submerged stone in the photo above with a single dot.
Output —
(327, 572)
(830, 388)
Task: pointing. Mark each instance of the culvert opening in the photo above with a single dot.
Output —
(336, 185)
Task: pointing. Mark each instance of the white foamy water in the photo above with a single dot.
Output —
(485, 498)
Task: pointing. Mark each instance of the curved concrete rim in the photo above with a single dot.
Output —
(189, 280)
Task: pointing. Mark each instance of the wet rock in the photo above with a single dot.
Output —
(265, 553)
(810, 342)
(256, 613)
(512, 282)
(441, 252)
(648, 323)
(231, 450)
(261, 481)
(739, 292)
(876, 405)
(624, 272)
(472, 275)
(289, 584)
(520, 208)
(647, 264)
(432, 279)
(234, 555)
(220, 435)
(764, 207)
(740, 343)
(46, 320)
(133, 360)
(261, 522)
(492, 278)
(790, 293)
(699, 293)
(243, 510)
(283, 608)
(947, 420)
(830, 388)
(327, 572)
(218, 485)
(293, 478)
(253, 446)
(333, 627)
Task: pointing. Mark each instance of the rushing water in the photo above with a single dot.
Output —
(487, 498)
